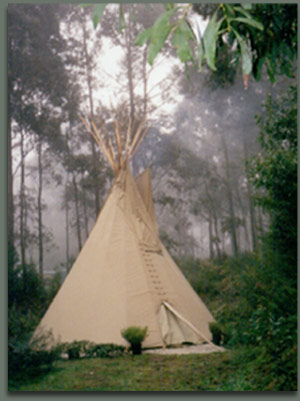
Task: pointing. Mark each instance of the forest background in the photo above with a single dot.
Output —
(224, 181)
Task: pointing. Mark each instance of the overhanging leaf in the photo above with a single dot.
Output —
(122, 23)
(159, 33)
(229, 9)
(168, 6)
(243, 11)
(247, 6)
(156, 45)
(143, 37)
(98, 12)
(209, 39)
(250, 22)
(187, 30)
(200, 56)
(180, 41)
(245, 52)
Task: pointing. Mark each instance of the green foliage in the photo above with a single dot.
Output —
(209, 40)
(27, 359)
(245, 53)
(73, 349)
(34, 65)
(254, 308)
(158, 34)
(242, 369)
(274, 172)
(26, 362)
(25, 288)
(105, 350)
(225, 19)
(27, 301)
(181, 37)
(143, 37)
(54, 285)
(88, 349)
(276, 46)
(257, 28)
(98, 12)
(135, 336)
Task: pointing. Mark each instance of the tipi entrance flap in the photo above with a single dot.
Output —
(175, 329)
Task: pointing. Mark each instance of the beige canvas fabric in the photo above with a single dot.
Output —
(143, 183)
(123, 276)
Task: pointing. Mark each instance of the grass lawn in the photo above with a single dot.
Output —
(201, 372)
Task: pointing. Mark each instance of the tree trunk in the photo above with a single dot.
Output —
(22, 201)
(213, 218)
(91, 105)
(85, 214)
(232, 219)
(260, 220)
(10, 192)
(10, 197)
(78, 224)
(210, 236)
(244, 219)
(223, 245)
(40, 206)
(128, 41)
(250, 203)
(252, 217)
(67, 225)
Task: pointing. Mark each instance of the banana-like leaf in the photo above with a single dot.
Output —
(159, 33)
(250, 22)
(245, 52)
(181, 37)
(143, 37)
(98, 12)
(210, 38)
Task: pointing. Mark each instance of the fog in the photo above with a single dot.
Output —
(201, 135)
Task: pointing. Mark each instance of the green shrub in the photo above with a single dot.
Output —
(135, 336)
(106, 351)
(88, 349)
(28, 359)
(76, 349)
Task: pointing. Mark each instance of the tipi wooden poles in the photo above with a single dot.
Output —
(119, 146)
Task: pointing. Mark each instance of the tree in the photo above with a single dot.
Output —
(35, 73)
(274, 174)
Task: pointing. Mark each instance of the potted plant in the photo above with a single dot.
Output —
(135, 336)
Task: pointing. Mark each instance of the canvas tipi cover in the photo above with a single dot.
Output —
(124, 276)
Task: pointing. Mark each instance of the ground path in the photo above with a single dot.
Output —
(184, 350)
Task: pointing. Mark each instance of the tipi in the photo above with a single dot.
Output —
(123, 275)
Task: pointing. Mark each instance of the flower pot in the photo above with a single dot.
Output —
(136, 348)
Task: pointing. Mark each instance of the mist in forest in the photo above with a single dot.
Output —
(202, 133)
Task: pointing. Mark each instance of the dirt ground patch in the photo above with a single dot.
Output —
(186, 349)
